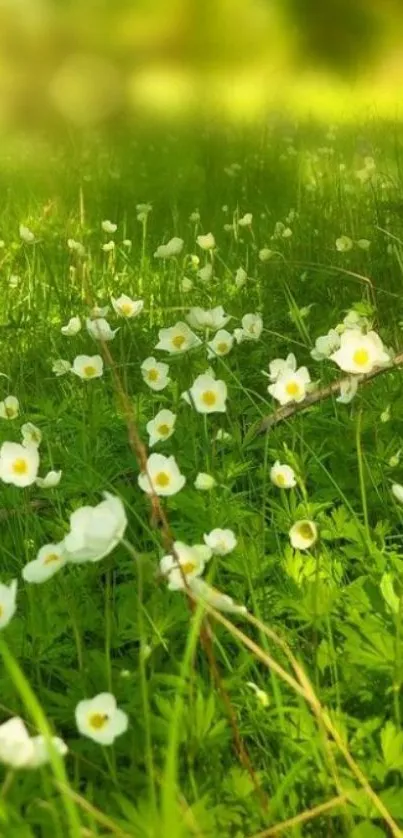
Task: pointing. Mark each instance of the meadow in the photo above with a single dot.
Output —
(217, 641)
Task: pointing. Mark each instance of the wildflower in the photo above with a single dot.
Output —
(126, 307)
(61, 367)
(261, 695)
(206, 242)
(72, 328)
(9, 408)
(127, 243)
(19, 750)
(50, 559)
(252, 325)
(145, 209)
(26, 234)
(344, 244)
(290, 386)
(348, 389)
(325, 345)
(51, 479)
(282, 476)
(360, 353)
(204, 482)
(173, 248)
(31, 435)
(220, 541)
(8, 596)
(303, 534)
(240, 278)
(216, 599)
(98, 311)
(265, 254)
(178, 338)
(397, 492)
(246, 220)
(95, 530)
(88, 366)
(213, 318)
(100, 719)
(162, 477)
(207, 394)
(223, 436)
(186, 285)
(109, 227)
(155, 374)
(185, 564)
(162, 427)
(18, 464)
(279, 366)
(205, 273)
(109, 246)
(72, 244)
(99, 329)
(363, 244)
(221, 344)
(195, 217)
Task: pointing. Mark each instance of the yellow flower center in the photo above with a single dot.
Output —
(162, 479)
(361, 357)
(222, 347)
(1, 611)
(209, 398)
(178, 341)
(292, 388)
(98, 720)
(188, 567)
(153, 375)
(10, 412)
(126, 308)
(306, 531)
(280, 479)
(20, 466)
(52, 557)
(163, 429)
(89, 371)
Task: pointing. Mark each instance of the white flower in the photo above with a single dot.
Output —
(187, 563)
(360, 353)
(51, 479)
(252, 325)
(210, 318)
(172, 248)
(186, 285)
(18, 464)
(14, 281)
(221, 344)
(325, 345)
(265, 254)
(100, 719)
(127, 243)
(9, 408)
(206, 242)
(220, 541)
(99, 311)
(100, 329)
(162, 427)
(239, 335)
(108, 247)
(207, 394)
(279, 366)
(144, 209)
(397, 491)
(290, 386)
(72, 328)
(8, 605)
(61, 367)
(163, 476)
(26, 234)
(19, 750)
(344, 244)
(109, 227)
(31, 435)
(303, 534)
(205, 273)
(204, 482)
(88, 366)
(282, 476)
(72, 244)
(155, 374)
(261, 695)
(363, 244)
(246, 220)
(178, 338)
(126, 307)
(194, 217)
(223, 436)
(41, 752)
(211, 596)
(240, 277)
(348, 389)
(95, 530)
(49, 560)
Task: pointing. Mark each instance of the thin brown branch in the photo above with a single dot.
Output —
(322, 393)
(303, 817)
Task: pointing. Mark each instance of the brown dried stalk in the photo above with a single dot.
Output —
(290, 410)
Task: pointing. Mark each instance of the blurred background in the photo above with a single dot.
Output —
(90, 63)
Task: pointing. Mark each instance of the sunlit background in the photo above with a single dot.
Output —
(86, 63)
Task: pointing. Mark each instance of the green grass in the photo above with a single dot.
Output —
(203, 756)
